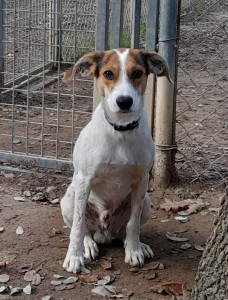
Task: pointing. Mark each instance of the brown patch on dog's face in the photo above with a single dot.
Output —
(109, 72)
(136, 70)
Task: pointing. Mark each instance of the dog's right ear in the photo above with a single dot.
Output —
(87, 65)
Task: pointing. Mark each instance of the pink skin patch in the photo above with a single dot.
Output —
(112, 221)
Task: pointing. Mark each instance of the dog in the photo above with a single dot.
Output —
(112, 158)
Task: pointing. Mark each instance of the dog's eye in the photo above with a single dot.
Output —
(136, 74)
(108, 75)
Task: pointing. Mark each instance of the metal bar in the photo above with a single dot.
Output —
(41, 162)
(101, 43)
(135, 25)
(151, 42)
(116, 23)
(165, 94)
(1, 44)
(13, 91)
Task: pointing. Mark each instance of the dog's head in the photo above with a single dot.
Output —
(121, 76)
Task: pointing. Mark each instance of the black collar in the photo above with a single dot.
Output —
(129, 126)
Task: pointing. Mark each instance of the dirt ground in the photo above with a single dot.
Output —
(43, 244)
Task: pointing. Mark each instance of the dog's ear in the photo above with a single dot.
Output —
(156, 64)
(87, 65)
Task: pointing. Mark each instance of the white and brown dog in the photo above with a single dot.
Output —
(112, 158)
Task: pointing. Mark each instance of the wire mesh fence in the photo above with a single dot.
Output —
(202, 100)
(41, 117)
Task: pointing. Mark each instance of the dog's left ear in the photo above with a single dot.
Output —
(156, 64)
(87, 65)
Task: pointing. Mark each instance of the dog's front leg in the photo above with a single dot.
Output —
(75, 256)
(135, 251)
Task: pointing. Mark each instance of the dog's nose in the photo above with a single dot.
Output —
(124, 102)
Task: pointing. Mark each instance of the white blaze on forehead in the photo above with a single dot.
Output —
(123, 58)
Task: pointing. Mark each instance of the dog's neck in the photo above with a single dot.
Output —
(129, 126)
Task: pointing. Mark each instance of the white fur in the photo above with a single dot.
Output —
(110, 166)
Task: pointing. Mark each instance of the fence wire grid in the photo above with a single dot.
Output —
(202, 94)
(41, 117)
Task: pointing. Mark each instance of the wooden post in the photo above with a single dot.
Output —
(116, 24)
(151, 40)
(101, 43)
(165, 104)
(1, 46)
(135, 23)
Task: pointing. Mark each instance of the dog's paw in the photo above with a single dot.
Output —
(73, 262)
(135, 253)
(91, 249)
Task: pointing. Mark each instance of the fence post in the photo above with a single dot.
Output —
(1, 46)
(151, 40)
(135, 23)
(116, 24)
(101, 34)
(165, 143)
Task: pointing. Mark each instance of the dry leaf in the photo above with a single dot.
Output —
(28, 289)
(185, 246)
(172, 288)
(29, 276)
(198, 247)
(48, 297)
(60, 287)
(182, 219)
(19, 230)
(20, 199)
(173, 237)
(3, 289)
(4, 278)
(151, 266)
(193, 208)
(89, 278)
(175, 206)
(15, 290)
(58, 276)
(106, 264)
(106, 280)
(101, 291)
(36, 280)
(70, 280)
(56, 282)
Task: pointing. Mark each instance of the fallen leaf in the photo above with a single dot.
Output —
(181, 230)
(58, 276)
(28, 289)
(89, 278)
(105, 280)
(182, 219)
(174, 206)
(70, 280)
(56, 282)
(48, 297)
(19, 230)
(151, 275)
(3, 289)
(198, 247)
(173, 237)
(4, 278)
(60, 287)
(117, 272)
(20, 199)
(193, 208)
(106, 264)
(101, 291)
(29, 276)
(151, 266)
(185, 246)
(172, 288)
(15, 290)
(36, 280)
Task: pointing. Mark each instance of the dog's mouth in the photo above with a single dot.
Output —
(125, 111)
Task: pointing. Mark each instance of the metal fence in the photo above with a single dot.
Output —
(202, 98)
(40, 117)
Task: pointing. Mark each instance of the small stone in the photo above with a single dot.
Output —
(151, 275)
(1, 228)
(134, 270)
(20, 199)
(28, 289)
(4, 278)
(117, 272)
(56, 282)
(37, 279)
(161, 266)
(19, 230)
(27, 193)
(70, 280)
